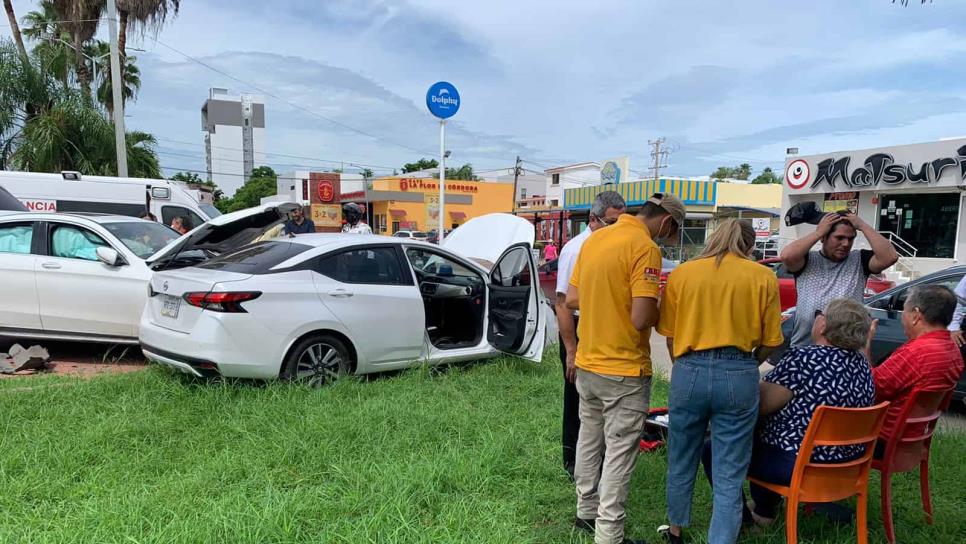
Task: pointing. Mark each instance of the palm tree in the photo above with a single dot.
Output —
(46, 128)
(98, 54)
(15, 28)
(80, 19)
(142, 15)
(52, 47)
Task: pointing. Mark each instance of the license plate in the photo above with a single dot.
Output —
(170, 306)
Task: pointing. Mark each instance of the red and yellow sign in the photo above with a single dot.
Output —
(326, 190)
(418, 184)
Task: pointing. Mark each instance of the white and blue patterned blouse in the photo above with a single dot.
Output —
(817, 375)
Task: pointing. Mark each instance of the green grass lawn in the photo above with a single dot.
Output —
(467, 455)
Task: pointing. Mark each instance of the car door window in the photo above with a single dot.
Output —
(377, 265)
(513, 270)
(947, 281)
(168, 213)
(16, 238)
(75, 243)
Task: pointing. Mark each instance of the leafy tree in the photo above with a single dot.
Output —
(767, 176)
(261, 184)
(190, 177)
(421, 164)
(130, 75)
(464, 172)
(52, 42)
(742, 171)
(80, 19)
(141, 15)
(47, 128)
(367, 174)
(15, 28)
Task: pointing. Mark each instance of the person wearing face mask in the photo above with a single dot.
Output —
(615, 286)
(607, 208)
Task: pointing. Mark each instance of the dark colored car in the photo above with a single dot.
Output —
(786, 283)
(887, 308)
(433, 236)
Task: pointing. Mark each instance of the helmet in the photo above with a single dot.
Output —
(352, 213)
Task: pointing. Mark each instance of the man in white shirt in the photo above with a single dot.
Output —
(608, 206)
(956, 326)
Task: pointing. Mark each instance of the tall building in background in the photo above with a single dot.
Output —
(234, 127)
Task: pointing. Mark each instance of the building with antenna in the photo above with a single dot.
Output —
(234, 131)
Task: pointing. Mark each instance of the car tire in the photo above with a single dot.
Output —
(317, 360)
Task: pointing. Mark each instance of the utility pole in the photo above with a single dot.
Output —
(120, 143)
(660, 156)
(516, 176)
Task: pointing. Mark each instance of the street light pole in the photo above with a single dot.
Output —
(120, 142)
(442, 179)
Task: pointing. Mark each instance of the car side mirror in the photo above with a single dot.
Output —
(109, 256)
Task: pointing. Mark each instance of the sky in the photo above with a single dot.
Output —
(557, 82)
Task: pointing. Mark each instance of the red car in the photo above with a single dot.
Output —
(786, 283)
(548, 279)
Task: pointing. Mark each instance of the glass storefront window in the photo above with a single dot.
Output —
(928, 222)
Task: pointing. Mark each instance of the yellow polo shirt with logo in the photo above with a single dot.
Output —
(706, 306)
(616, 264)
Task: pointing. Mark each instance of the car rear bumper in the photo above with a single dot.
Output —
(233, 346)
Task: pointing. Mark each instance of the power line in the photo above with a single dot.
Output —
(290, 103)
(195, 155)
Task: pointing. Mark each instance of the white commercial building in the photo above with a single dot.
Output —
(571, 176)
(911, 193)
(234, 127)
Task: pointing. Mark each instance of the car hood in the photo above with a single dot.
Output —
(225, 233)
(486, 237)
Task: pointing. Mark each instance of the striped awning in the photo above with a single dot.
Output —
(693, 193)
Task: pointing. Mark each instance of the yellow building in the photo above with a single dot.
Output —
(401, 203)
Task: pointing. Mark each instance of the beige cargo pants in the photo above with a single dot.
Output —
(612, 412)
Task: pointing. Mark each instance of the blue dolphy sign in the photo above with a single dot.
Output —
(443, 100)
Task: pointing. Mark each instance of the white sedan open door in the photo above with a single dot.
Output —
(517, 320)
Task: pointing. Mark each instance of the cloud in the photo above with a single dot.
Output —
(676, 101)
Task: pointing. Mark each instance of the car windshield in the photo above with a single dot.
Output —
(211, 211)
(420, 235)
(143, 238)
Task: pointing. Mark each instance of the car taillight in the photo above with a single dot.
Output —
(221, 302)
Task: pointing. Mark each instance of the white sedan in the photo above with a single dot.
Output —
(84, 277)
(314, 307)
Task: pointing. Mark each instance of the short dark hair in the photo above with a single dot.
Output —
(936, 303)
(836, 226)
(650, 209)
(185, 221)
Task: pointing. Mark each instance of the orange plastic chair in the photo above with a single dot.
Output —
(908, 448)
(821, 482)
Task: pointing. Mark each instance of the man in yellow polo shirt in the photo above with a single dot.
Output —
(615, 285)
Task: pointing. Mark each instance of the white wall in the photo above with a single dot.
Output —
(571, 179)
(227, 159)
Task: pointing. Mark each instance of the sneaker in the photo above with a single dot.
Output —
(665, 532)
(588, 525)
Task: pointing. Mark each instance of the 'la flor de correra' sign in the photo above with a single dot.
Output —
(939, 163)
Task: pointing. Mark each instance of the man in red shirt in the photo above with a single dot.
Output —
(929, 360)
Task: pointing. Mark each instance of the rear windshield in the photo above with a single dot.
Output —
(257, 258)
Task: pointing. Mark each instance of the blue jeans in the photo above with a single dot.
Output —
(768, 464)
(717, 387)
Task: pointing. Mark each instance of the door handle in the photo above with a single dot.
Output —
(339, 293)
(51, 266)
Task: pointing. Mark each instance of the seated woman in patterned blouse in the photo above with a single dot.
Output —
(833, 372)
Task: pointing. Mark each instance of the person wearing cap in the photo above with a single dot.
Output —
(721, 315)
(834, 270)
(352, 213)
(615, 285)
(607, 208)
(299, 224)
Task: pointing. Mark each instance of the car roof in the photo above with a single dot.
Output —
(100, 218)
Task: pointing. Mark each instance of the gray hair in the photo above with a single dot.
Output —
(936, 303)
(847, 324)
(606, 200)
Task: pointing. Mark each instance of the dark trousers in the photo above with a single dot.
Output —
(768, 464)
(571, 414)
